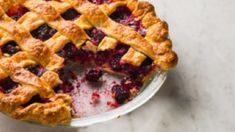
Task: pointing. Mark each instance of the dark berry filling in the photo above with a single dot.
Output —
(95, 35)
(70, 14)
(102, 57)
(121, 13)
(120, 94)
(44, 32)
(36, 99)
(69, 51)
(17, 11)
(93, 75)
(10, 48)
(84, 56)
(147, 62)
(7, 85)
(115, 63)
(36, 69)
(124, 16)
(99, 2)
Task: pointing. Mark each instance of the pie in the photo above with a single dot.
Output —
(40, 38)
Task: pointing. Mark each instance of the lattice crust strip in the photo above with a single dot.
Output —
(155, 45)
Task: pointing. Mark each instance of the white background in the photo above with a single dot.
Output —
(199, 94)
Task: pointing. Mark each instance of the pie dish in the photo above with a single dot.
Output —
(41, 39)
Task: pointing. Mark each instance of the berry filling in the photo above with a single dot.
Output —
(84, 56)
(69, 51)
(17, 11)
(120, 94)
(70, 14)
(44, 32)
(99, 2)
(36, 99)
(124, 16)
(36, 69)
(93, 75)
(10, 48)
(7, 85)
(96, 35)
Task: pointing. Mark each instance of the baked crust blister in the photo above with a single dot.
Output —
(155, 45)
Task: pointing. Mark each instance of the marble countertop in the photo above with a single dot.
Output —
(198, 95)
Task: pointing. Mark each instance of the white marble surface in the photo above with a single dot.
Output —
(199, 94)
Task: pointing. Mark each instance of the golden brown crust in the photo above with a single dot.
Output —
(155, 45)
(157, 30)
(34, 51)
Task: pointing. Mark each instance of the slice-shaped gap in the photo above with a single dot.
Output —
(99, 2)
(81, 81)
(36, 99)
(70, 14)
(96, 35)
(17, 11)
(124, 16)
(10, 48)
(38, 70)
(7, 85)
(43, 32)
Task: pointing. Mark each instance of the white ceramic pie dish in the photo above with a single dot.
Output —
(147, 93)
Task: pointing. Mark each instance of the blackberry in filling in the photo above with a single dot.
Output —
(95, 35)
(69, 51)
(17, 11)
(44, 32)
(7, 85)
(70, 14)
(102, 57)
(36, 69)
(124, 16)
(10, 48)
(116, 56)
(93, 75)
(120, 94)
(121, 13)
(84, 56)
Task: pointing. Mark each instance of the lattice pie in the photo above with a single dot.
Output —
(40, 38)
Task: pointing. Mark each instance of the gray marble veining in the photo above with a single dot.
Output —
(198, 95)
